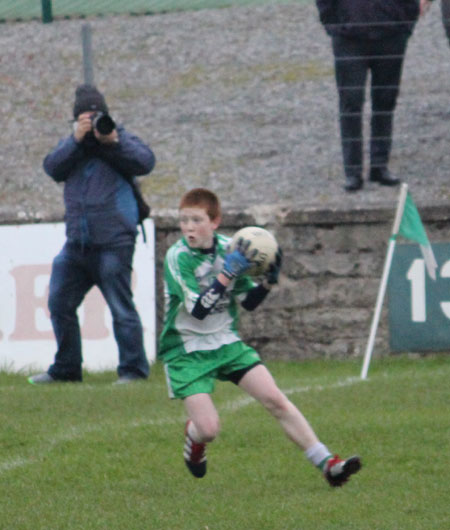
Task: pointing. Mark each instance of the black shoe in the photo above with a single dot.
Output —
(383, 177)
(338, 471)
(353, 183)
(194, 455)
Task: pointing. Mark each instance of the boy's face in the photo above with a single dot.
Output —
(198, 229)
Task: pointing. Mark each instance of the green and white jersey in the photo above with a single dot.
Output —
(187, 273)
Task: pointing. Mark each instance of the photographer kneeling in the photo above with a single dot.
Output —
(101, 227)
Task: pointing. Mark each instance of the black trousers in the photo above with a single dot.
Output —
(353, 60)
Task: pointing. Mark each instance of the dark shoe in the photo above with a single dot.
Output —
(353, 183)
(194, 455)
(42, 379)
(338, 471)
(383, 177)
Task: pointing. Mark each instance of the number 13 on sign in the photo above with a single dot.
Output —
(417, 278)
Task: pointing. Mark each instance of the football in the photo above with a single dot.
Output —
(261, 240)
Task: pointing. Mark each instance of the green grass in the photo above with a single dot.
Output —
(26, 9)
(97, 456)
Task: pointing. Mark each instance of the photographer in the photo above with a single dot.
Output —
(101, 226)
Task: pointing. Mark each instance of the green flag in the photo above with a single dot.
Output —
(411, 227)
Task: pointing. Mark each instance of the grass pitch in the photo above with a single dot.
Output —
(96, 456)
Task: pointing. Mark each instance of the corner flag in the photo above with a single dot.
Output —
(408, 224)
(411, 227)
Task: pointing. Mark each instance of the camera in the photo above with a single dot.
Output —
(103, 123)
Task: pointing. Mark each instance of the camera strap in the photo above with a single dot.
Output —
(143, 208)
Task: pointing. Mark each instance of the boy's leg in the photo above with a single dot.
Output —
(259, 383)
(203, 414)
(202, 426)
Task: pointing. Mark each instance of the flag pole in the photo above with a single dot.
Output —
(384, 280)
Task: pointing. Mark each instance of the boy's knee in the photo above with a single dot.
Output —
(208, 429)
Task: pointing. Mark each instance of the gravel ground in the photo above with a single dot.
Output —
(241, 100)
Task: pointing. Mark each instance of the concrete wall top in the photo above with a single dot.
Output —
(262, 215)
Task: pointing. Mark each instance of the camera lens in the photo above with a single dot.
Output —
(104, 124)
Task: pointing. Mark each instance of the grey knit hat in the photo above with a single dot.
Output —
(87, 98)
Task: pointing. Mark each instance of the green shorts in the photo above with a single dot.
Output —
(196, 372)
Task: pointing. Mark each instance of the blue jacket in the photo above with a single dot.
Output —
(368, 19)
(99, 201)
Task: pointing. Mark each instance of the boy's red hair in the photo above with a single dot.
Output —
(202, 198)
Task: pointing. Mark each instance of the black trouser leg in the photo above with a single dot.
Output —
(351, 69)
(386, 68)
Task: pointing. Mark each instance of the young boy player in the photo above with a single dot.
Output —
(199, 343)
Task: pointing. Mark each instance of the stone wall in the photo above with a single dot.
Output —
(333, 262)
(242, 101)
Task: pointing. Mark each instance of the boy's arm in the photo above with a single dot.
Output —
(234, 265)
(238, 263)
(257, 295)
(209, 298)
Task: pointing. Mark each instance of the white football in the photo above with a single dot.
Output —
(261, 240)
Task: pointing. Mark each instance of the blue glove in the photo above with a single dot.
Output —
(274, 270)
(236, 262)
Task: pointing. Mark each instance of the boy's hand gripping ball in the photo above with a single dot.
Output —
(259, 247)
(236, 261)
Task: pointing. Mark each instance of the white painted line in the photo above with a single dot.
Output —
(81, 431)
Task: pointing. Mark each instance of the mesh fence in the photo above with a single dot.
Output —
(29, 9)
(252, 91)
(46, 10)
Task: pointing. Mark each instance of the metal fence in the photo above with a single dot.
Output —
(254, 101)
(47, 10)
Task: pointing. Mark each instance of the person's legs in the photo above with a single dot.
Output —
(201, 411)
(351, 73)
(386, 68)
(202, 427)
(113, 276)
(69, 283)
(259, 383)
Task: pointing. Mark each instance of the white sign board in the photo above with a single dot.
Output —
(26, 338)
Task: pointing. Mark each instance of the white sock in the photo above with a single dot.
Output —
(193, 433)
(317, 453)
